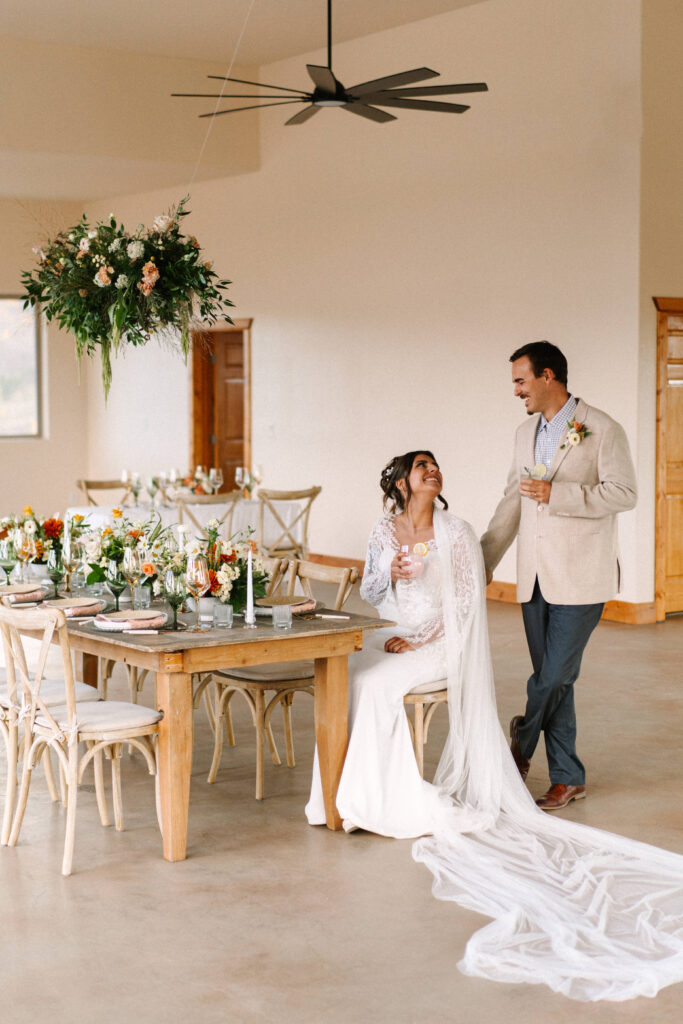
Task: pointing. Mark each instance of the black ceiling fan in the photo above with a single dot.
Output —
(364, 99)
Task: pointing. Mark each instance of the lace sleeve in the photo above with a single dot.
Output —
(466, 567)
(382, 547)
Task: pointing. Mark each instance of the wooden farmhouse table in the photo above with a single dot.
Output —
(176, 657)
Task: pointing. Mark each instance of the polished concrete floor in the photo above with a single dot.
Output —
(269, 920)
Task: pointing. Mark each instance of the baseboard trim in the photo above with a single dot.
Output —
(633, 614)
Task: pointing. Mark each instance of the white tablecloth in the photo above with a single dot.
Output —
(246, 513)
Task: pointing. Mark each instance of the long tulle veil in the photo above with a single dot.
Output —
(590, 914)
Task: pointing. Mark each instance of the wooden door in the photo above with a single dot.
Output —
(669, 507)
(221, 404)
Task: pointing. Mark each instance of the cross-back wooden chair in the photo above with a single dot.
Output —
(286, 543)
(104, 726)
(104, 485)
(424, 700)
(185, 506)
(285, 679)
(39, 660)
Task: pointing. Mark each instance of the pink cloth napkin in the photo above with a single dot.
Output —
(33, 595)
(118, 625)
(90, 609)
(301, 609)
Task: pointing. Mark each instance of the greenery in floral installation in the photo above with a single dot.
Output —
(102, 546)
(109, 288)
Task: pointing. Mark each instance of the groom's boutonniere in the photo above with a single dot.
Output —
(576, 433)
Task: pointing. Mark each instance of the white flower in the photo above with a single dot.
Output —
(115, 245)
(156, 587)
(162, 223)
(29, 527)
(62, 261)
(121, 282)
(212, 524)
(92, 234)
(84, 245)
(193, 547)
(573, 437)
(72, 237)
(98, 281)
(135, 250)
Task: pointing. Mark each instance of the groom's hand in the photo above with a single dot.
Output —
(397, 645)
(539, 490)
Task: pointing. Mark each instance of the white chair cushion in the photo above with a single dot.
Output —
(280, 672)
(437, 686)
(52, 693)
(105, 716)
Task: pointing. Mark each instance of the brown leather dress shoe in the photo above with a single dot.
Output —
(523, 763)
(559, 795)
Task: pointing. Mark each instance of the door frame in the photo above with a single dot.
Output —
(666, 307)
(203, 394)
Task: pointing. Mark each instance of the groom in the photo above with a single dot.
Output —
(571, 474)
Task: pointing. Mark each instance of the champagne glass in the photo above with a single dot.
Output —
(132, 570)
(70, 560)
(55, 569)
(116, 581)
(239, 476)
(8, 557)
(174, 592)
(198, 581)
(215, 479)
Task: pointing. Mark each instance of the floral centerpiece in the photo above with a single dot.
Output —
(47, 533)
(110, 287)
(108, 544)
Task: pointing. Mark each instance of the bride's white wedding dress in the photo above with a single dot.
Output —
(591, 914)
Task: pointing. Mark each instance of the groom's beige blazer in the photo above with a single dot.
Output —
(569, 544)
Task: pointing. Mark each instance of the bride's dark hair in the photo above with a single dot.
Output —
(400, 468)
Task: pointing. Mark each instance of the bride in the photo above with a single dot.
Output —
(590, 914)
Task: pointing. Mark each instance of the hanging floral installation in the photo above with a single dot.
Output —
(110, 288)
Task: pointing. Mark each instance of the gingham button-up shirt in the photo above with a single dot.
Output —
(549, 434)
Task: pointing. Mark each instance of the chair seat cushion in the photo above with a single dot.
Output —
(436, 686)
(52, 693)
(105, 716)
(280, 672)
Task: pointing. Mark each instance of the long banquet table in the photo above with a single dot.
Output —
(176, 657)
(245, 514)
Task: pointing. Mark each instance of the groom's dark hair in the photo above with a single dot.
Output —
(400, 468)
(543, 356)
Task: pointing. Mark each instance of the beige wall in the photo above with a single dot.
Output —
(391, 269)
(42, 472)
(661, 218)
(84, 118)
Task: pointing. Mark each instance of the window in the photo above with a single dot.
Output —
(19, 370)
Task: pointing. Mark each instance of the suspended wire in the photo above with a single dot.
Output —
(220, 97)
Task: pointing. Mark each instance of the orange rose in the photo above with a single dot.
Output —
(116, 513)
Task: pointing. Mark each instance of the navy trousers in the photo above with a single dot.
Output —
(557, 635)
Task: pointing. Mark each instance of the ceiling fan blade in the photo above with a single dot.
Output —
(408, 104)
(370, 112)
(322, 78)
(261, 85)
(389, 81)
(230, 96)
(440, 90)
(254, 106)
(303, 115)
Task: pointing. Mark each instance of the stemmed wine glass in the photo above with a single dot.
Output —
(25, 547)
(55, 569)
(70, 559)
(8, 558)
(215, 479)
(116, 581)
(239, 476)
(132, 570)
(175, 592)
(198, 581)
